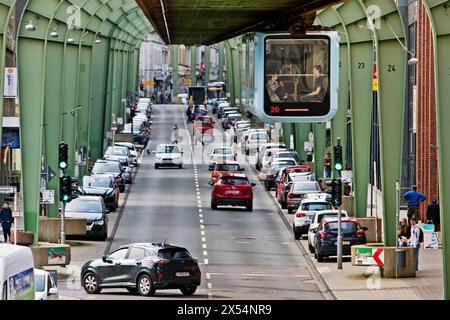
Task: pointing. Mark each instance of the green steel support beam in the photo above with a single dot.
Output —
(438, 12)
(302, 131)
(320, 132)
(175, 53)
(194, 66)
(230, 75)
(207, 64)
(221, 60)
(287, 128)
(236, 61)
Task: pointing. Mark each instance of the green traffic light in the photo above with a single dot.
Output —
(338, 166)
(63, 165)
(66, 197)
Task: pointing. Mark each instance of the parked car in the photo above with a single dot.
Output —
(225, 115)
(298, 191)
(315, 221)
(305, 214)
(232, 189)
(287, 183)
(231, 120)
(144, 268)
(102, 185)
(168, 155)
(92, 209)
(270, 175)
(264, 153)
(254, 141)
(133, 151)
(117, 153)
(111, 167)
(45, 285)
(223, 106)
(283, 175)
(326, 239)
(220, 154)
(267, 162)
(239, 129)
(225, 167)
(245, 136)
(287, 154)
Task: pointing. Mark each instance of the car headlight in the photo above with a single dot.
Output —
(99, 222)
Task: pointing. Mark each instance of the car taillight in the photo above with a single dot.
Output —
(160, 261)
(300, 215)
(291, 196)
(360, 233)
(322, 234)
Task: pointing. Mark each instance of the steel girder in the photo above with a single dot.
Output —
(438, 13)
(64, 78)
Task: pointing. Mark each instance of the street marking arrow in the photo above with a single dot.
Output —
(378, 257)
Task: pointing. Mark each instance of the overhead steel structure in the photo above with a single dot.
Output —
(78, 65)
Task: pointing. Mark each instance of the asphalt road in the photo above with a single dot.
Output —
(242, 255)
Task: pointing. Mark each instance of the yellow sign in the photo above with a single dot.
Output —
(375, 85)
(148, 83)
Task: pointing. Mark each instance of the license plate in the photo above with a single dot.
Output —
(207, 138)
(182, 274)
(344, 243)
(233, 192)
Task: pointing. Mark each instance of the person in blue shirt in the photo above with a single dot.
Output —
(414, 198)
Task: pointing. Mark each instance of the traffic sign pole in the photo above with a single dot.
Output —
(339, 238)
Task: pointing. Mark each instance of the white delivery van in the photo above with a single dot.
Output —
(46, 287)
(16, 273)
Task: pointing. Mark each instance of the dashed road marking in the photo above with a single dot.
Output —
(206, 261)
(203, 239)
(205, 253)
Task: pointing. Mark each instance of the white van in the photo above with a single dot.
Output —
(16, 273)
(46, 285)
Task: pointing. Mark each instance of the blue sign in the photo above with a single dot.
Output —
(11, 139)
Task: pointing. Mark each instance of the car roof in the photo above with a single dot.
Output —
(216, 148)
(159, 245)
(314, 200)
(234, 175)
(167, 145)
(227, 162)
(298, 174)
(343, 219)
(83, 198)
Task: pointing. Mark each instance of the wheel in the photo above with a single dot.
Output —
(290, 211)
(180, 166)
(311, 248)
(133, 290)
(247, 152)
(266, 185)
(188, 291)
(297, 235)
(213, 205)
(283, 204)
(249, 207)
(320, 258)
(90, 283)
(156, 166)
(104, 236)
(145, 286)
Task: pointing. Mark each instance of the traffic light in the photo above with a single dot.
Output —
(336, 192)
(63, 156)
(66, 189)
(338, 166)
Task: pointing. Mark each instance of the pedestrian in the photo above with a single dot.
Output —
(414, 198)
(415, 239)
(189, 114)
(404, 233)
(6, 220)
(327, 162)
(433, 214)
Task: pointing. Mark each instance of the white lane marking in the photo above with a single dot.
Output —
(210, 296)
(199, 202)
(261, 275)
(242, 242)
(200, 206)
(208, 276)
(202, 227)
(201, 221)
(205, 246)
(199, 198)
(206, 261)
(203, 239)
(205, 253)
(202, 232)
(209, 285)
(200, 210)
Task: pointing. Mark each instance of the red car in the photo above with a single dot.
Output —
(280, 184)
(232, 189)
(205, 123)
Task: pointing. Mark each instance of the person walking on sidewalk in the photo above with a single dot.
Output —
(415, 239)
(433, 214)
(6, 220)
(414, 198)
(327, 163)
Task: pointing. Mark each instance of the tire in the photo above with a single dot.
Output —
(180, 166)
(320, 258)
(311, 248)
(145, 286)
(283, 204)
(90, 283)
(156, 166)
(188, 291)
(290, 211)
(249, 207)
(133, 290)
(213, 205)
(297, 235)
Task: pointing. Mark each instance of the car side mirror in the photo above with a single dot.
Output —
(253, 184)
(106, 260)
(53, 291)
(242, 169)
(107, 211)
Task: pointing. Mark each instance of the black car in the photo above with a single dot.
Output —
(92, 209)
(111, 167)
(326, 237)
(143, 268)
(102, 185)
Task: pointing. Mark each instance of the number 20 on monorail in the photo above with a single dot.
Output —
(296, 79)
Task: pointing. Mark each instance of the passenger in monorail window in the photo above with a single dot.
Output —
(319, 89)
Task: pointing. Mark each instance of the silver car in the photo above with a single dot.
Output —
(298, 191)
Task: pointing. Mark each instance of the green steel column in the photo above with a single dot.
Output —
(175, 53)
(287, 127)
(207, 64)
(237, 75)
(302, 131)
(194, 66)
(320, 133)
(221, 60)
(230, 76)
(438, 14)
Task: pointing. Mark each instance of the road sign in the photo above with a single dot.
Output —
(16, 214)
(48, 197)
(7, 190)
(369, 256)
(430, 237)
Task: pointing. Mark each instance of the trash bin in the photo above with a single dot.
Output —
(400, 258)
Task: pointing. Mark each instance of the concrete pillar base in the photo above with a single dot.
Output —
(48, 254)
(50, 228)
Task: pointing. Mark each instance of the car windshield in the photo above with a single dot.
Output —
(174, 253)
(167, 149)
(293, 155)
(129, 146)
(327, 215)
(278, 146)
(233, 181)
(285, 163)
(306, 186)
(96, 182)
(228, 167)
(40, 282)
(300, 178)
(106, 167)
(89, 206)
(117, 151)
(316, 206)
(206, 121)
(347, 227)
(223, 151)
(243, 125)
(258, 136)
